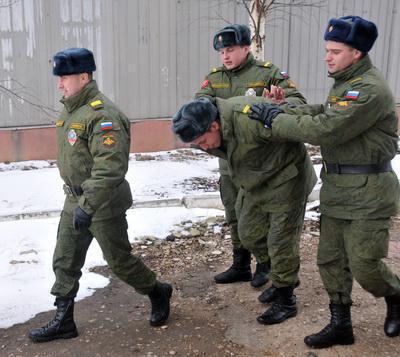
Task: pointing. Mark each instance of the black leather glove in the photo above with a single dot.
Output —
(81, 220)
(265, 113)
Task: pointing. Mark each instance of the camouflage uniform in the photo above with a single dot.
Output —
(94, 141)
(356, 127)
(93, 155)
(276, 178)
(223, 83)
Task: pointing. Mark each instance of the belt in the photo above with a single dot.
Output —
(357, 169)
(73, 191)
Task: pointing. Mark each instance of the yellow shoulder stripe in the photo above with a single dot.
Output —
(355, 79)
(246, 109)
(267, 64)
(59, 123)
(96, 103)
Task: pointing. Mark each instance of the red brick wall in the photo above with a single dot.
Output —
(41, 144)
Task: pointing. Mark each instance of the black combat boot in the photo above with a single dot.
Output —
(283, 307)
(240, 269)
(392, 321)
(160, 302)
(260, 276)
(338, 332)
(62, 325)
(269, 294)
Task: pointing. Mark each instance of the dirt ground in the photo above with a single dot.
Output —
(208, 319)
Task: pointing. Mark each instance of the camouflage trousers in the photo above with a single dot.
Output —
(111, 234)
(354, 249)
(232, 198)
(273, 238)
(229, 194)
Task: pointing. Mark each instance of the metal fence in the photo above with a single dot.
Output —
(152, 55)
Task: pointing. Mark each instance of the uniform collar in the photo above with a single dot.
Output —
(81, 98)
(356, 69)
(248, 63)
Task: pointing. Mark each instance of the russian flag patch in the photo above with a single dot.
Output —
(352, 94)
(106, 125)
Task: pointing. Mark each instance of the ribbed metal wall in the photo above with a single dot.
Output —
(152, 55)
(295, 42)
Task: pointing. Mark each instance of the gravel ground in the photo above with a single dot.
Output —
(208, 319)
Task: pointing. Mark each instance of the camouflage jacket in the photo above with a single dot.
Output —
(356, 126)
(251, 75)
(278, 175)
(93, 152)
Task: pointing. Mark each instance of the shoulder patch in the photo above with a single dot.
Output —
(78, 126)
(96, 104)
(106, 125)
(352, 94)
(284, 74)
(205, 83)
(343, 104)
(59, 123)
(291, 84)
(108, 140)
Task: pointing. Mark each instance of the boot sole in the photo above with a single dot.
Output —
(392, 334)
(274, 322)
(326, 345)
(238, 280)
(165, 317)
(66, 335)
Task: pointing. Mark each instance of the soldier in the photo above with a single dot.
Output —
(93, 154)
(275, 178)
(356, 129)
(242, 75)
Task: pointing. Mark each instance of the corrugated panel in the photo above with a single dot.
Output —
(297, 39)
(152, 55)
(198, 21)
(393, 56)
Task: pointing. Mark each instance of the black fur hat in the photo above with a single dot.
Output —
(73, 61)
(353, 31)
(194, 119)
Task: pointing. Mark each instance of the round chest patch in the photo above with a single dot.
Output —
(72, 137)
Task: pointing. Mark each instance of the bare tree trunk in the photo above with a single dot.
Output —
(257, 27)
